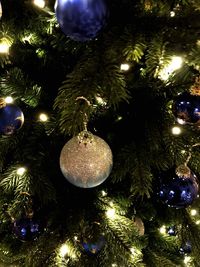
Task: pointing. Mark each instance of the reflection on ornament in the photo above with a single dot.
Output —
(186, 108)
(11, 119)
(81, 20)
(138, 223)
(86, 160)
(26, 229)
(172, 230)
(176, 190)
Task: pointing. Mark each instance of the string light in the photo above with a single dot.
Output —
(176, 130)
(175, 64)
(125, 67)
(4, 47)
(198, 222)
(64, 250)
(39, 3)
(172, 14)
(43, 117)
(132, 250)
(9, 99)
(21, 171)
(187, 260)
(103, 193)
(193, 212)
(110, 213)
(163, 229)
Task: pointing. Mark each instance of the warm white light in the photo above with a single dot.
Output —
(100, 100)
(9, 99)
(75, 238)
(21, 171)
(176, 130)
(64, 250)
(180, 121)
(43, 117)
(39, 3)
(103, 193)
(187, 259)
(193, 212)
(163, 229)
(4, 47)
(175, 64)
(198, 222)
(110, 213)
(172, 14)
(133, 251)
(125, 67)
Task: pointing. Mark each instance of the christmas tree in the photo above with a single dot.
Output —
(99, 123)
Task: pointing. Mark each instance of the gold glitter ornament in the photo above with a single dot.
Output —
(138, 223)
(86, 160)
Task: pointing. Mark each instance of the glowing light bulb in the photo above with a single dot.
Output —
(43, 117)
(193, 212)
(103, 193)
(39, 3)
(21, 171)
(198, 222)
(187, 259)
(64, 250)
(125, 67)
(175, 64)
(75, 238)
(4, 47)
(9, 99)
(163, 229)
(110, 213)
(132, 250)
(176, 130)
(172, 14)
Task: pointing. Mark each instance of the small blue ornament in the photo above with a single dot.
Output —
(93, 247)
(81, 20)
(186, 108)
(172, 230)
(11, 119)
(26, 229)
(186, 248)
(178, 190)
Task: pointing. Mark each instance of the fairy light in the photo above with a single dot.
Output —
(172, 14)
(4, 47)
(163, 229)
(75, 238)
(43, 117)
(175, 64)
(103, 193)
(64, 250)
(176, 130)
(187, 260)
(197, 222)
(39, 3)
(110, 213)
(133, 251)
(9, 99)
(125, 67)
(21, 171)
(193, 212)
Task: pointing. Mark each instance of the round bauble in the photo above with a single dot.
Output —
(186, 108)
(26, 229)
(81, 20)
(11, 119)
(186, 248)
(86, 160)
(172, 231)
(138, 223)
(178, 190)
(93, 246)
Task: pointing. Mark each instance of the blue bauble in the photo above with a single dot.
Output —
(11, 119)
(172, 230)
(186, 108)
(92, 246)
(26, 229)
(178, 191)
(186, 248)
(81, 20)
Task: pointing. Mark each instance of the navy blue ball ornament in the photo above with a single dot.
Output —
(186, 248)
(186, 108)
(11, 119)
(93, 246)
(172, 230)
(26, 229)
(178, 188)
(81, 20)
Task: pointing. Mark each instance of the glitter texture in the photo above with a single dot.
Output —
(86, 160)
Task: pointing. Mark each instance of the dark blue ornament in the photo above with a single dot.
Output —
(81, 20)
(186, 248)
(178, 191)
(92, 247)
(11, 119)
(172, 230)
(186, 108)
(26, 229)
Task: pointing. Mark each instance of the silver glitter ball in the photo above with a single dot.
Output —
(86, 160)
